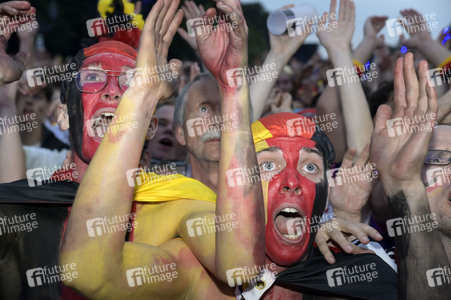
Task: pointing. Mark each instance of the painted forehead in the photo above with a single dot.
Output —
(281, 145)
(109, 61)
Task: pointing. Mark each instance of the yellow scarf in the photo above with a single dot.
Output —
(160, 188)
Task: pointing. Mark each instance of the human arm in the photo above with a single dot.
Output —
(243, 246)
(12, 158)
(282, 48)
(371, 41)
(420, 38)
(105, 273)
(337, 41)
(399, 160)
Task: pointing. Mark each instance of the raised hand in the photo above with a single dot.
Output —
(352, 196)
(372, 27)
(341, 34)
(157, 36)
(399, 157)
(286, 45)
(11, 68)
(191, 11)
(225, 47)
(417, 30)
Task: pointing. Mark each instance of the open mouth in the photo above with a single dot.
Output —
(100, 122)
(290, 223)
(166, 142)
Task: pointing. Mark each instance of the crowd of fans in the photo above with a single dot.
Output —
(377, 173)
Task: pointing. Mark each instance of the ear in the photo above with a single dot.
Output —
(63, 117)
(180, 135)
(152, 128)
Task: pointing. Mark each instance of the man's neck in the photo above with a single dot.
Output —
(205, 171)
(33, 137)
(278, 292)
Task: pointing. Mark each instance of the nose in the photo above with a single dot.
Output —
(112, 91)
(290, 182)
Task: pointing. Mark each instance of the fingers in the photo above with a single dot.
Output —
(423, 98)
(170, 16)
(399, 89)
(384, 113)
(172, 29)
(349, 158)
(324, 248)
(411, 83)
(432, 101)
(332, 10)
(337, 237)
(364, 156)
(162, 16)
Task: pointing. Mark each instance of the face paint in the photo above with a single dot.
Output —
(292, 199)
(104, 103)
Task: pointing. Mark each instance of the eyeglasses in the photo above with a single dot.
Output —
(438, 157)
(94, 81)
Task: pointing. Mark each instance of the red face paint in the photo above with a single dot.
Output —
(105, 101)
(290, 189)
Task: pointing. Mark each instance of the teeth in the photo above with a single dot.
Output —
(290, 210)
(293, 237)
(101, 123)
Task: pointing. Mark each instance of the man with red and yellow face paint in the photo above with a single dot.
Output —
(297, 190)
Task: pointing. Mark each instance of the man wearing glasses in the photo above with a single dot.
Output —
(436, 175)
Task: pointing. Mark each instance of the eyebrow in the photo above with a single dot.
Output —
(313, 150)
(270, 149)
